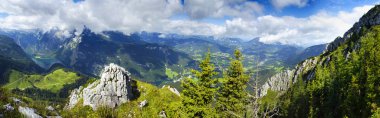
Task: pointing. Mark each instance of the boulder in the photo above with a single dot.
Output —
(114, 88)
(172, 89)
(162, 114)
(28, 112)
(8, 107)
(143, 103)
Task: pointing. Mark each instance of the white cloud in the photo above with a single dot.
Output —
(279, 4)
(315, 29)
(124, 15)
(198, 9)
(155, 16)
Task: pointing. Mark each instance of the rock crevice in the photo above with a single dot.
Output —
(114, 88)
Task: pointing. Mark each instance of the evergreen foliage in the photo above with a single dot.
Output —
(232, 95)
(199, 92)
(347, 86)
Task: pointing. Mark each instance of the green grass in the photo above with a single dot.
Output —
(171, 74)
(20, 80)
(270, 99)
(53, 81)
(159, 99)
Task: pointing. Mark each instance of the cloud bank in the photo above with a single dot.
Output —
(279, 4)
(246, 19)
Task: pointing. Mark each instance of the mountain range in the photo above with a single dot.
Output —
(153, 57)
(113, 74)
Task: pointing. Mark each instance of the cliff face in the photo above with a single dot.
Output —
(114, 88)
(283, 80)
(306, 69)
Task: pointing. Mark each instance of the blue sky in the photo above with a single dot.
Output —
(294, 22)
(312, 7)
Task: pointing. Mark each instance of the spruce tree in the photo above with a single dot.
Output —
(198, 92)
(232, 96)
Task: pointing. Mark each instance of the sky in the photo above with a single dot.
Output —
(295, 22)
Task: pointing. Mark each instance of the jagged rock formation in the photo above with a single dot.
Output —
(174, 90)
(114, 88)
(8, 107)
(283, 80)
(278, 82)
(143, 103)
(306, 69)
(372, 18)
(28, 112)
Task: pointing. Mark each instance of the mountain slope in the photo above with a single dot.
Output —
(147, 61)
(13, 57)
(270, 58)
(342, 82)
(128, 97)
(311, 51)
(39, 45)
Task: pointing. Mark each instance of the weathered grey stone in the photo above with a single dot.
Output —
(113, 89)
(278, 82)
(28, 112)
(16, 100)
(143, 103)
(283, 80)
(8, 107)
(162, 114)
(174, 90)
(50, 108)
(372, 18)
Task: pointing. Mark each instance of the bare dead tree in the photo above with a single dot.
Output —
(271, 112)
(255, 106)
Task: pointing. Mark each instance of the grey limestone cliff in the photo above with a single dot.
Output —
(306, 69)
(114, 88)
(283, 80)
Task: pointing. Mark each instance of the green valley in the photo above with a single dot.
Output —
(53, 81)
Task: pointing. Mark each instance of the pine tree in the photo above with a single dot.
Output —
(198, 93)
(232, 96)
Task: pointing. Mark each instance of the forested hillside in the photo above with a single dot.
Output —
(342, 82)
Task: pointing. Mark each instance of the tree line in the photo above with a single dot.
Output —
(208, 95)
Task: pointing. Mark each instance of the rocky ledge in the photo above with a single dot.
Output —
(283, 80)
(114, 88)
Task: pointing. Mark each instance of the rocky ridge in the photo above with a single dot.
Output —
(283, 80)
(306, 69)
(114, 88)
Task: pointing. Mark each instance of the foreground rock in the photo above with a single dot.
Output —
(174, 90)
(8, 107)
(114, 88)
(28, 112)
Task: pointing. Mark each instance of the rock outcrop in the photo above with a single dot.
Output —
(28, 112)
(172, 89)
(8, 107)
(306, 69)
(114, 88)
(278, 82)
(371, 18)
(283, 80)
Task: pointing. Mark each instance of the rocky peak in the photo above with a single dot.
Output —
(306, 69)
(371, 18)
(114, 88)
(283, 80)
